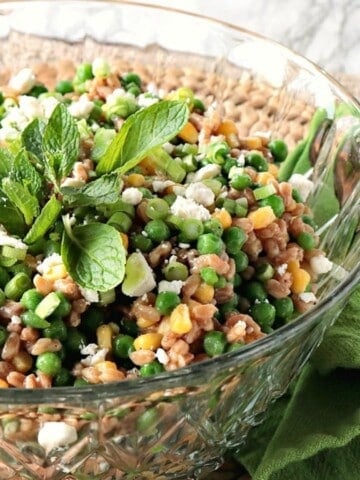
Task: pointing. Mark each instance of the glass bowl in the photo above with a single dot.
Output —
(180, 424)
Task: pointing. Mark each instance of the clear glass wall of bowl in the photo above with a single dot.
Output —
(179, 425)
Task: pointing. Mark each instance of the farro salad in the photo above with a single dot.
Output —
(139, 233)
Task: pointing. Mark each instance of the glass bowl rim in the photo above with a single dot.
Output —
(191, 373)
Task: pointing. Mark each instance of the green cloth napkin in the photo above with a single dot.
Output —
(313, 432)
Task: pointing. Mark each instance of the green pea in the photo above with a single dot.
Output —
(241, 261)
(17, 286)
(64, 307)
(309, 221)
(146, 193)
(230, 205)
(264, 314)
(213, 225)
(30, 319)
(84, 72)
(157, 209)
(48, 363)
(237, 280)
(56, 329)
(227, 166)
(166, 302)
(75, 340)
(278, 149)
(142, 243)
(198, 105)
(3, 335)
(64, 86)
(191, 229)
(255, 291)
(209, 275)
(214, 343)
(275, 202)
(264, 272)
(226, 308)
(239, 182)
(157, 230)
(175, 271)
(234, 238)
(129, 327)
(133, 88)
(80, 382)
(147, 420)
(2, 297)
(221, 282)
(209, 243)
(131, 77)
(306, 240)
(37, 90)
(150, 369)
(123, 345)
(256, 160)
(284, 307)
(1, 98)
(170, 198)
(63, 378)
(121, 221)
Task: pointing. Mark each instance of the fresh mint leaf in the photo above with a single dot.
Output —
(6, 162)
(143, 131)
(61, 143)
(32, 139)
(21, 198)
(24, 172)
(11, 218)
(44, 221)
(93, 255)
(102, 191)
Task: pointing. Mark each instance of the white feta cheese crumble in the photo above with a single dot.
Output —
(162, 356)
(91, 296)
(200, 193)
(95, 355)
(146, 101)
(184, 245)
(160, 185)
(302, 184)
(281, 269)
(56, 435)
(23, 81)
(73, 182)
(81, 108)
(89, 349)
(307, 297)
(132, 195)
(16, 320)
(320, 264)
(241, 160)
(168, 147)
(209, 171)
(112, 98)
(235, 171)
(188, 208)
(31, 107)
(48, 104)
(48, 263)
(6, 239)
(173, 286)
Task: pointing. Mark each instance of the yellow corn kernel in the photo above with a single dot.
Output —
(55, 272)
(223, 216)
(105, 365)
(22, 362)
(253, 143)
(204, 293)
(147, 166)
(180, 321)
(136, 180)
(262, 217)
(264, 178)
(3, 384)
(293, 266)
(143, 322)
(300, 280)
(273, 169)
(104, 335)
(148, 341)
(125, 240)
(189, 133)
(227, 128)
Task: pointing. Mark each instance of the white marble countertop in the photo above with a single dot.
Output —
(325, 31)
